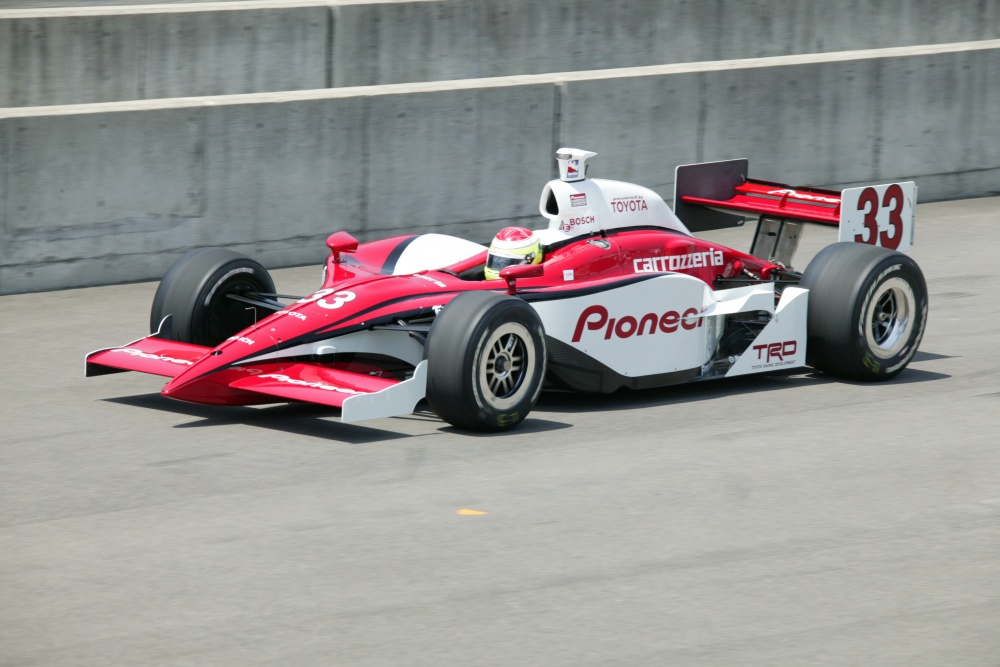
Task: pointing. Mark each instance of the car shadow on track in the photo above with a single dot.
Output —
(295, 418)
(627, 399)
(927, 356)
(529, 425)
(909, 376)
(312, 420)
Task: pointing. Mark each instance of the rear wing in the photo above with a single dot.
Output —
(715, 195)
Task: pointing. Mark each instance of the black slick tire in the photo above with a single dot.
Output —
(193, 292)
(867, 311)
(485, 361)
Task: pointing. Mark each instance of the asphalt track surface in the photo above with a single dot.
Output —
(788, 520)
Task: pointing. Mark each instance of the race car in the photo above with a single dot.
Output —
(615, 291)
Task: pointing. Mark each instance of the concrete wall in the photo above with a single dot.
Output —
(114, 192)
(461, 39)
(110, 193)
(108, 54)
(85, 55)
(840, 122)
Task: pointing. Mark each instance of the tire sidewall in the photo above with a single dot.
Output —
(169, 288)
(492, 320)
(455, 348)
(199, 277)
(843, 280)
(231, 272)
(894, 266)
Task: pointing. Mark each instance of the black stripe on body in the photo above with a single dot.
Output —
(393, 258)
(545, 295)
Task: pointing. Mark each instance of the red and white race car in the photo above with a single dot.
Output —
(614, 292)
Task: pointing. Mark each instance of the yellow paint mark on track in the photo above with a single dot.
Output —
(471, 512)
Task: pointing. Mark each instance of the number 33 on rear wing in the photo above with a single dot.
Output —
(709, 195)
(879, 215)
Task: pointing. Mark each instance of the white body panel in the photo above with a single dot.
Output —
(743, 299)
(645, 328)
(890, 208)
(399, 399)
(585, 207)
(782, 343)
(434, 251)
(673, 322)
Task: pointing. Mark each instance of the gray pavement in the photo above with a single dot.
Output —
(790, 520)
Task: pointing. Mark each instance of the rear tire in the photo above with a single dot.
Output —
(867, 311)
(194, 292)
(486, 361)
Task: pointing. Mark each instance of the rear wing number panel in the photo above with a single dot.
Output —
(879, 215)
(713, 195)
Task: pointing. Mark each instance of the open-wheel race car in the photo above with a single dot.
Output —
(614, 292)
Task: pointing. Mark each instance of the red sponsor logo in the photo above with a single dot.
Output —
(595, 318)
(777, 351)
(578, 200)
(629, 204)
(569, 224)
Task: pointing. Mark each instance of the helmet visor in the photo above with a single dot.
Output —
(497, 262)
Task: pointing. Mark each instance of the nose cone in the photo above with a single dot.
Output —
(203, 382)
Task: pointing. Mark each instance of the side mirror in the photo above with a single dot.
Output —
(339, 242)
(512, 273)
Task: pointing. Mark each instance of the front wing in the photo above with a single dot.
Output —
(146, 355)
(358, 395)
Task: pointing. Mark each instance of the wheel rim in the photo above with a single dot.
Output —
(889, 319)
(506, 365)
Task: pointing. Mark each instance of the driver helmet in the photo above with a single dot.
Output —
(512, 246)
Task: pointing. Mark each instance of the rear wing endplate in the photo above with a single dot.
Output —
(716, 195)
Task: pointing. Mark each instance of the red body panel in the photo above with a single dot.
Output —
(315, 384)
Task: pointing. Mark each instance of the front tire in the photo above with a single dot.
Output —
(194, 292)
(486, 361)
(867, 311)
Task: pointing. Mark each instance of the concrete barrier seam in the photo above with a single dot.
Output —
(497, 82)
(130, 10)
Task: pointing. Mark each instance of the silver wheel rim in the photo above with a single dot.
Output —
(506, 365)
(889, 318)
